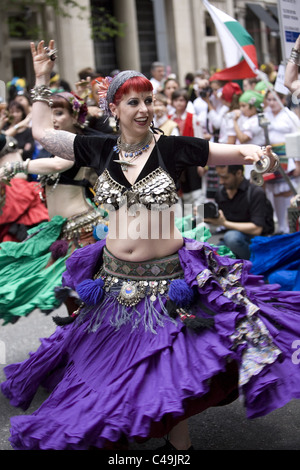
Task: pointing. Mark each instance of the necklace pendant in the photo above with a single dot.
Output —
(124, 164)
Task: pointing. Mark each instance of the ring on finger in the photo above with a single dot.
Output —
(51, 53)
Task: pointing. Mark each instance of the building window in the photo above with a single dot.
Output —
(105, 49)
(146, 32)
(23, 24)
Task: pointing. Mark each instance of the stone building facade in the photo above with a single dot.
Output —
(179, 33)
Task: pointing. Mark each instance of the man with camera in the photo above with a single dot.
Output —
(242, 209)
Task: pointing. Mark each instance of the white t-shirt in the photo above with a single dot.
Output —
(250, 126)
(280, 124)
(201, 109)
(285, 122)
(156, 84)
(215, 117)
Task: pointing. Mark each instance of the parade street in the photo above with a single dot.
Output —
(224, 428)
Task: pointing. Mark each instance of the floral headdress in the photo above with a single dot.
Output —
(109, 86)
(79, 107)
(103, 86)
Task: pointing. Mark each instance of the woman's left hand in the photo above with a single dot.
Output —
(42, 63)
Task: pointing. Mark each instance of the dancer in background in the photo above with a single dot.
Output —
(22, 208)
(30, 273)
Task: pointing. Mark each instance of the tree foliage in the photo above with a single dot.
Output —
(22, 24)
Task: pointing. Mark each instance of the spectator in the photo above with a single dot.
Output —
(189, 125)
(249, 83)
(200, 105)
(86, 72)
(243, 210)
(24, 99)
(157, 76)
(247, 128)
(216, 108)
(190, 86)
(231, 93)
(19, 127)
(281, 121)
(161, 120)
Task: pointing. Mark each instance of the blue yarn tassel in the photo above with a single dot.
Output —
(180, 296)
(90, 292)
(100, 232)
(180, 293)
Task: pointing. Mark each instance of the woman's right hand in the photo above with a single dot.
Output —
(42, 63)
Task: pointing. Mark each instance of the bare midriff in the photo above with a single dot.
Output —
(143, 236)
(66, 200)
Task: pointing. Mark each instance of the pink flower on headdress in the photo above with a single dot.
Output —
(102, 92)
(103, 86)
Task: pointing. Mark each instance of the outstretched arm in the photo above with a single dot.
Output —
(39, 166)
(56, 142)
(247, 154)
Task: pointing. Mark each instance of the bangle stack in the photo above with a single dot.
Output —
(41, 93)
(294, 57)
(11, 169)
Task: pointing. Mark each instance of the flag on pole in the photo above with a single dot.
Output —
(238, 47)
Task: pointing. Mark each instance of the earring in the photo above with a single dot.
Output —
(117, 123)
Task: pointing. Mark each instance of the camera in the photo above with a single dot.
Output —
(211, 210)
(206, 92)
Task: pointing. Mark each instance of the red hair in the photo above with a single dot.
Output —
(137, 84)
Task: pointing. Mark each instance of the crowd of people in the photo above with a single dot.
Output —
(147, 308)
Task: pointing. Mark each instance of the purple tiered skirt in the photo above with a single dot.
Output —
(135, 375)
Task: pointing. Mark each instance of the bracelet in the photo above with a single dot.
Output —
(41, 93)
(294, 57)
(16, 127)
(11, 169)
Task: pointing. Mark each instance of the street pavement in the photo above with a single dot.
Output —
(220, 428)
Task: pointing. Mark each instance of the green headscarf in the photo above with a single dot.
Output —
(253, 98)
(262, 86)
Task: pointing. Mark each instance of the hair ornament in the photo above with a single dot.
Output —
(103, 86)
(79, 107)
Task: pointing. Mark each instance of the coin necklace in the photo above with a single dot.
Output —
(132, 151)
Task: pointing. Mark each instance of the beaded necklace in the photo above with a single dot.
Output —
(132, 151)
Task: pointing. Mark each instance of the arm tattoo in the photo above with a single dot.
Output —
(59, 143)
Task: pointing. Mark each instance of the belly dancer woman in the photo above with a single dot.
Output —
(167, 328)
